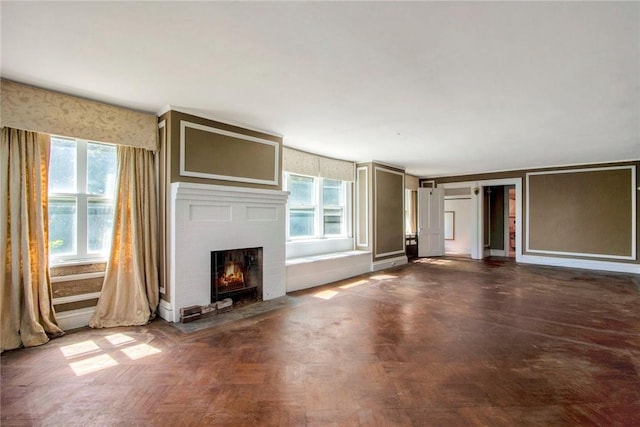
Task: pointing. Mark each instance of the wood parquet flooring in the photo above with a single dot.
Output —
(447, 342)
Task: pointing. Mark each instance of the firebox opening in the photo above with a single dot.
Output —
(236, 274)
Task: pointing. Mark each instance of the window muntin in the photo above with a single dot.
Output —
(316, 207)
(82, 177)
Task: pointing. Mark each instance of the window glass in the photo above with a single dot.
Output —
(331, 192)
(301, 222)
(62, 226)
(301, 189)
(99, 226)
(333, 221)
(101, 168)
(62, 166)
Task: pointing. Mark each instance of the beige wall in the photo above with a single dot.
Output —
(388, 211)
(575, 213)
(211, 153)
(380, 210)
(584, 212)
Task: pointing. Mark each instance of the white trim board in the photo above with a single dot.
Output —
(388, 263)
(360, 243)
(75, 298)
(617, 267)
(80, 276)
(74, 319)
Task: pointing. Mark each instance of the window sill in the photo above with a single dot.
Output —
(76, 262)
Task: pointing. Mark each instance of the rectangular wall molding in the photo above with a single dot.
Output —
(621, 229)
(216, 151)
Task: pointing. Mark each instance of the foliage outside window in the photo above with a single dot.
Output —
(82, 177)
(316, 207)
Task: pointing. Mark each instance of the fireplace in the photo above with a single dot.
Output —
(236, 273)
(204, 218)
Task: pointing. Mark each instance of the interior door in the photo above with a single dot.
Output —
(430, 222)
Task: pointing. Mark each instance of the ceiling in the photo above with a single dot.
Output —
(444, 88)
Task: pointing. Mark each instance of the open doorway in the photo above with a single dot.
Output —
(499, 216)
(499, 220)
(458, 221)
(510, 227)
(473, 203)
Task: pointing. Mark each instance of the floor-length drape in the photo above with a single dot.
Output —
(27, 317)
(130, 292)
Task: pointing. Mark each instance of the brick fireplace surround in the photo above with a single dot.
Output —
(206, 218)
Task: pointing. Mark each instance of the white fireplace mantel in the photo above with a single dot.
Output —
(205, 218)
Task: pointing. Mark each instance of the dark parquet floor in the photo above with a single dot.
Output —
(447, 342)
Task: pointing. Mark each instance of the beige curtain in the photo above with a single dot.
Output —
(130, 292)
(27, 316)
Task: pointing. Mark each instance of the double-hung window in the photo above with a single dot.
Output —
(82, 177)
(333, 207)
(317, 207)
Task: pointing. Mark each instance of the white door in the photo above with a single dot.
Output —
(430, 222)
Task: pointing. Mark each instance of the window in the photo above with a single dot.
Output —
(302, 206)
(317, 207)
(82, 178)
(408, 206)
(333, 207)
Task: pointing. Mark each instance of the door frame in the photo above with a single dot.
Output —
(477, 205)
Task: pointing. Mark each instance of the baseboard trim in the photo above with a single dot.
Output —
(388, 263)
(74, 319)
(617, 267)
(165, 311)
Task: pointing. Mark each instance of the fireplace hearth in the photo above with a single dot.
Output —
(236, 273)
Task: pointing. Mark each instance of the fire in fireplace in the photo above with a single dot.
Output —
(236, 273)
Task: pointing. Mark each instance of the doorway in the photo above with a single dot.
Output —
(478, 209)
(499, 220)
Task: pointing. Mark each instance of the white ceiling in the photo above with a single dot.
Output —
(439, 88)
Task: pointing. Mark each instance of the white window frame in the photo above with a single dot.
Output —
(319, 206)
(82, 199)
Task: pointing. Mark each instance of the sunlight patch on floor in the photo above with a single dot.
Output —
(353, 284)
(139, 351)
(90, 361)
(327, 295)
(93, 364)
(79, 349)
(119, 339)
(383, 277)
(435, 261)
